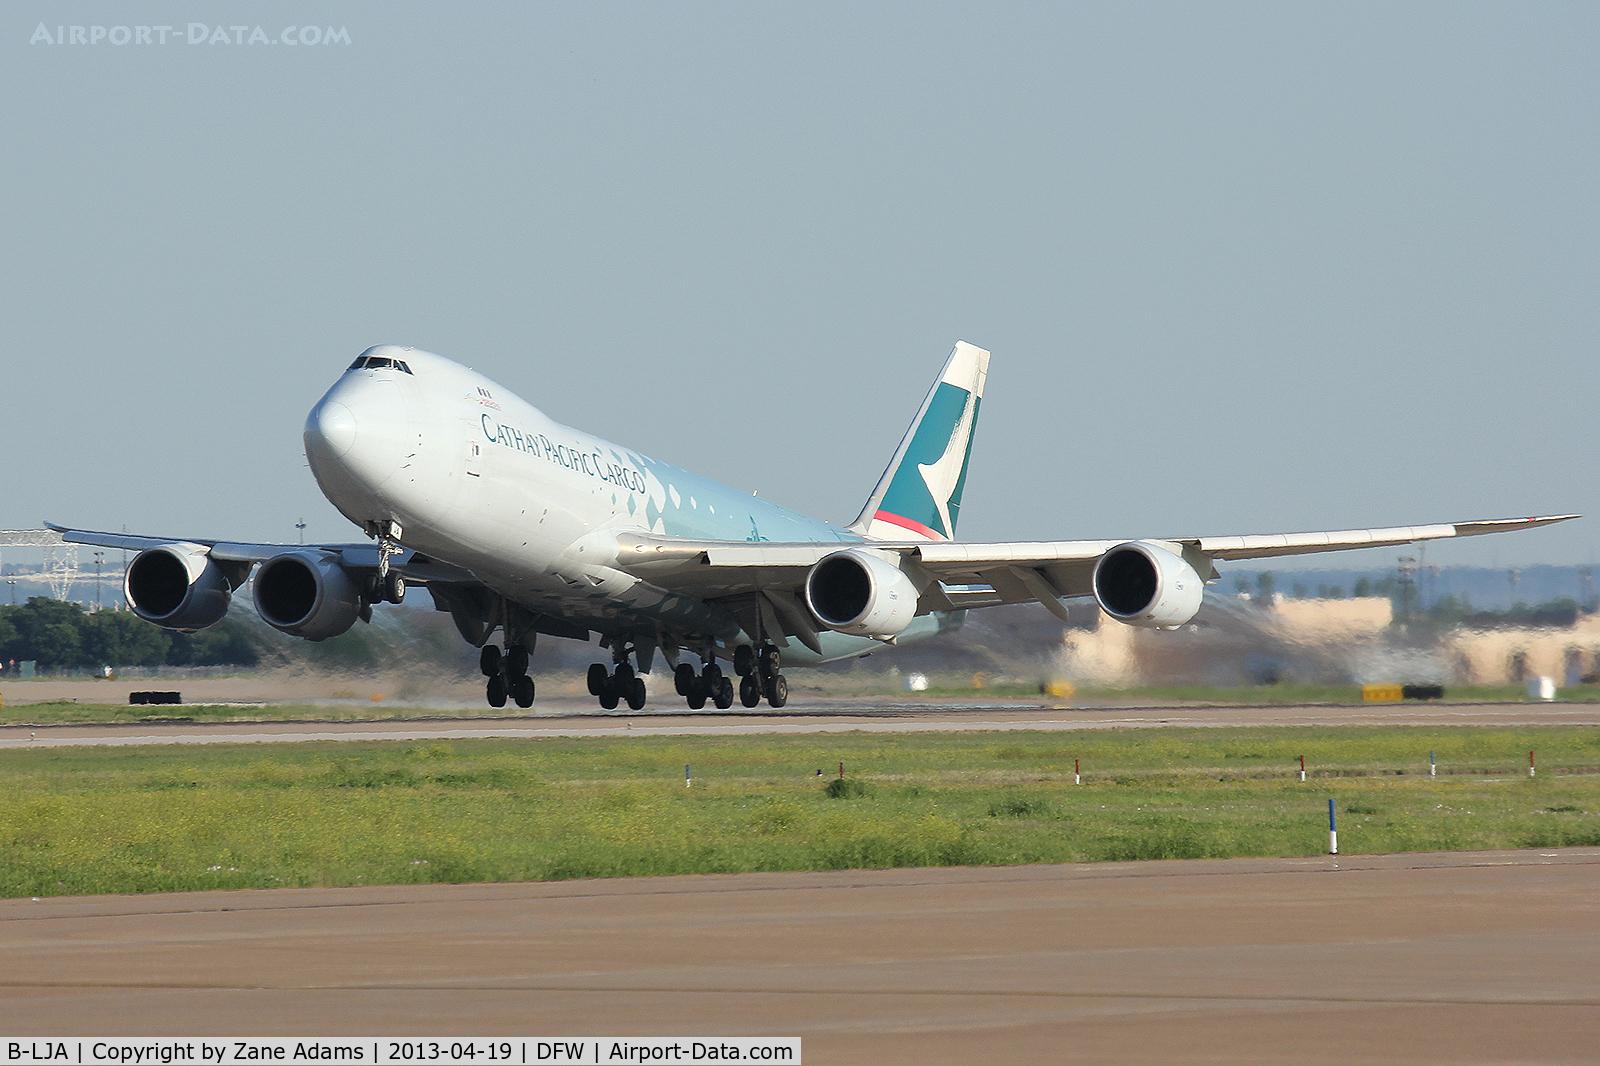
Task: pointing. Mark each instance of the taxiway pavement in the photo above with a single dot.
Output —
(579, 717)
(1459, 958)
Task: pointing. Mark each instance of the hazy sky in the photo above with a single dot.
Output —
(1244, 268)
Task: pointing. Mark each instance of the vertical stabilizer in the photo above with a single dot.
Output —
(919, 495)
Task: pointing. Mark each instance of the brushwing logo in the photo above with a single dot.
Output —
(925, 496)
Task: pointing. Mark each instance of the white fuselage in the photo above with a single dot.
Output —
(476, 477)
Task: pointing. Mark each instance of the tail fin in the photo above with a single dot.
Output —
(919, 495)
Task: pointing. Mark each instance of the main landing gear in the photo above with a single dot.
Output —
(616, 686)
(508, 675)
(708, 684)
(759, 676)
(757, 669)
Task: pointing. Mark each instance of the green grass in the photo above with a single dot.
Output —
(173, 818)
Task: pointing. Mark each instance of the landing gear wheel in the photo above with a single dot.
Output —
(522, 691)
(749, 690)
(724, 695)
(516, 661)
(489, 660)
(636, 694)
(394, 587)
(608, 697)
(598, 680)
(769, 662)
(497, 691)
(711, 674)
(683, 679)
(623, 676)
(697, 694)
(744, 660)
(778, 690)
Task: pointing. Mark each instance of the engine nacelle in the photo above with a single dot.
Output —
(856, 592)
(177, 586)
(306, 594)
(1144, 584)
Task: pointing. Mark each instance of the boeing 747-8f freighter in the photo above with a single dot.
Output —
(519, 525)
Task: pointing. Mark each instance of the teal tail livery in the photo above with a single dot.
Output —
(517, 525)
(920, 493)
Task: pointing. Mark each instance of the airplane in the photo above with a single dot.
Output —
(519, 525)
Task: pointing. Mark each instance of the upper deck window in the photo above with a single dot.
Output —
(379, 362)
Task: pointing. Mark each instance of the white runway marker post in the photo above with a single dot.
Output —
(1333, 832)
(685, 775)
(1530, 764)
(1302, 767)
(1077, 778)
(1433, 768)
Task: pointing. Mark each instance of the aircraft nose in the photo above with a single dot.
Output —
(333, 427)
(356, 435)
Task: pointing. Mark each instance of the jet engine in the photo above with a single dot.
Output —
(1143, 584)
(307, 594)
(859, 593)
(178, 586)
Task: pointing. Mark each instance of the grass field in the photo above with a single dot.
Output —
(146, 819)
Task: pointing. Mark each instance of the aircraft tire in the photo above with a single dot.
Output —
(608, 697)
(744, 660)
(778, 691)
(683, 679)
(489, 660)
(623, 676)
(516, 661)
(749, 690)
(636, 694)
(697, 695)
(598, 679)
(497, 691)
(711, 674)
(724, 695)
(770, 662)
(394, 587)
(522, 690)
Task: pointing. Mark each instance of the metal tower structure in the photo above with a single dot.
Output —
(60, 558)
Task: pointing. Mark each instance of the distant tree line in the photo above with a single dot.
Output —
(60, 635)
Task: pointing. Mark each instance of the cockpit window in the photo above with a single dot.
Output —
(379, 362)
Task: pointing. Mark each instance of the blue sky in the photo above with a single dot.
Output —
(1244, 268)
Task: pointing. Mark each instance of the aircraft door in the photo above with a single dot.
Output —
(474, 448)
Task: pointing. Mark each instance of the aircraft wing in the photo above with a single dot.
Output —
(418, 569)
(977, 574)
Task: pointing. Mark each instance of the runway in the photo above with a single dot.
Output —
(1463, 958)
(1460, 958)
(579, 717)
